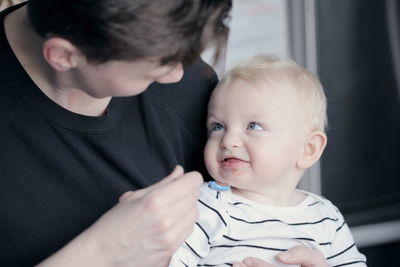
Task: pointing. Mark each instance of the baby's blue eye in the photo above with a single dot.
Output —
(217, 127)
(254, 126)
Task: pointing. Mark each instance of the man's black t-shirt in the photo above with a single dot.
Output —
(60, 171)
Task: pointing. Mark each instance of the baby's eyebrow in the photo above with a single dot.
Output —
(210, 113)
(211, 116)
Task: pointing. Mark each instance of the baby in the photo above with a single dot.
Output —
(266, 126)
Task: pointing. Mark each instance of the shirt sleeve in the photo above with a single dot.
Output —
(343, 250)
(211, 225)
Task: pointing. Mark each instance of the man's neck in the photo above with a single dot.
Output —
(58, 86)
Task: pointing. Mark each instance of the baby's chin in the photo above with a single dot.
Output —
(231, 176)
(222, 182)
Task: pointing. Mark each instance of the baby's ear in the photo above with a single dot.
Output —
(61, 54)
(312, 150)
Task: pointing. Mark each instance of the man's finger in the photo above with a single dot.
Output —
(132, 195)
(254, 262)
(306, 257)
(125, 195)
(176, 172)
(180, 188)
(238, 264)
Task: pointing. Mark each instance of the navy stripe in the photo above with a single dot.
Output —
(349, 263)
(204, 231)
(220, 216)
(242, 220)
(297, 238)
(232, 239)
(341, 252)
(312, 204)
(249, 246)
(340, 227)
(211, 265)
(194, 251)
(184, 263)
(238, 203)
(305, 238)
(276, 220)
(310, 239)
(324, 244)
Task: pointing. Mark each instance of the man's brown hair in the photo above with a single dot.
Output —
(104, 30)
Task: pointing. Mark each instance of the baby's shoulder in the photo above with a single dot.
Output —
(322, 205)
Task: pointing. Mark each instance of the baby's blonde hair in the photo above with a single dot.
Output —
(262, 69)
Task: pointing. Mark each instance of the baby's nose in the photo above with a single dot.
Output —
(231, 140)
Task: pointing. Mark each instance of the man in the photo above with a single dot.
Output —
(98, 98)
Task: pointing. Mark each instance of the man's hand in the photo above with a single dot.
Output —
(252, 262)
(300, 255)
(144, 229)
(7, 3)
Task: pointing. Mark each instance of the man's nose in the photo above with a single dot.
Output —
(175, 75)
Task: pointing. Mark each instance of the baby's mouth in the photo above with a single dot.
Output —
(232, 162)
(231, 159)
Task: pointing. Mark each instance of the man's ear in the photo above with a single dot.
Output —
(61, 54)
(312, 150)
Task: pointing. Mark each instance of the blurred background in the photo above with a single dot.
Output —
(354, 48)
